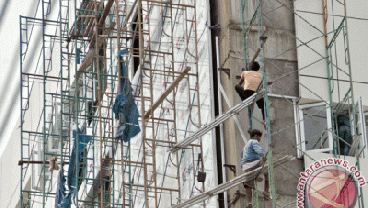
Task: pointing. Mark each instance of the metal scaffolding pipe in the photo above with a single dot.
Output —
(220, 119)
(248, 176)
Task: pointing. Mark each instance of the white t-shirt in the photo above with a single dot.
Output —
(249, 165)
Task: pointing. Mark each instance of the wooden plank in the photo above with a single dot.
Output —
(166, 93)
(101, 22)
(88, 59)
(21, 162)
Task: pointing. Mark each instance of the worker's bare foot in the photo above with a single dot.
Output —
(259, 179)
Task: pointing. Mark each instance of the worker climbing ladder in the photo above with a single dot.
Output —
(88, 52)
(257, 20)
(236, 109)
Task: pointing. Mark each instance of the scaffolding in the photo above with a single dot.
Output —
(239, 180)
(257, 19)
(345, 96)
(335, 106)
(94, 57)
(115, 86)
(345, 101)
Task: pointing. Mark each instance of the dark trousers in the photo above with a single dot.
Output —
(244, 94)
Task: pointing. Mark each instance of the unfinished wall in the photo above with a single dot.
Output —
(281, 65)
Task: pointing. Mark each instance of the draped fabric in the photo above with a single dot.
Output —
(125, 108)
(64, 196)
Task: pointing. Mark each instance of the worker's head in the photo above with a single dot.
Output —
(255, 134)
(255, 66)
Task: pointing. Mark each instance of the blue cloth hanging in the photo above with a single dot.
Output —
(125, 108)
(63, 197)
(73, 168)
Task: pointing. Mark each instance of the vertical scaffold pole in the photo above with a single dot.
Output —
(349, 94)
(266, 107)
(43, 169)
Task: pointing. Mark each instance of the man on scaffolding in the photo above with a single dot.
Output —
(252, 156)
(251, 80)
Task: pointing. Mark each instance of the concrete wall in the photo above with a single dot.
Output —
(280, 64)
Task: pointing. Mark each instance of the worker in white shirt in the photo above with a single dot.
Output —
(252, 157)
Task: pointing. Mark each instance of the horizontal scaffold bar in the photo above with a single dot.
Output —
(248, 176)
(219, 120)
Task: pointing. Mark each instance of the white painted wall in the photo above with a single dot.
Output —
(309, 24)
(10, 171)
(9, 104)
(9, 157)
